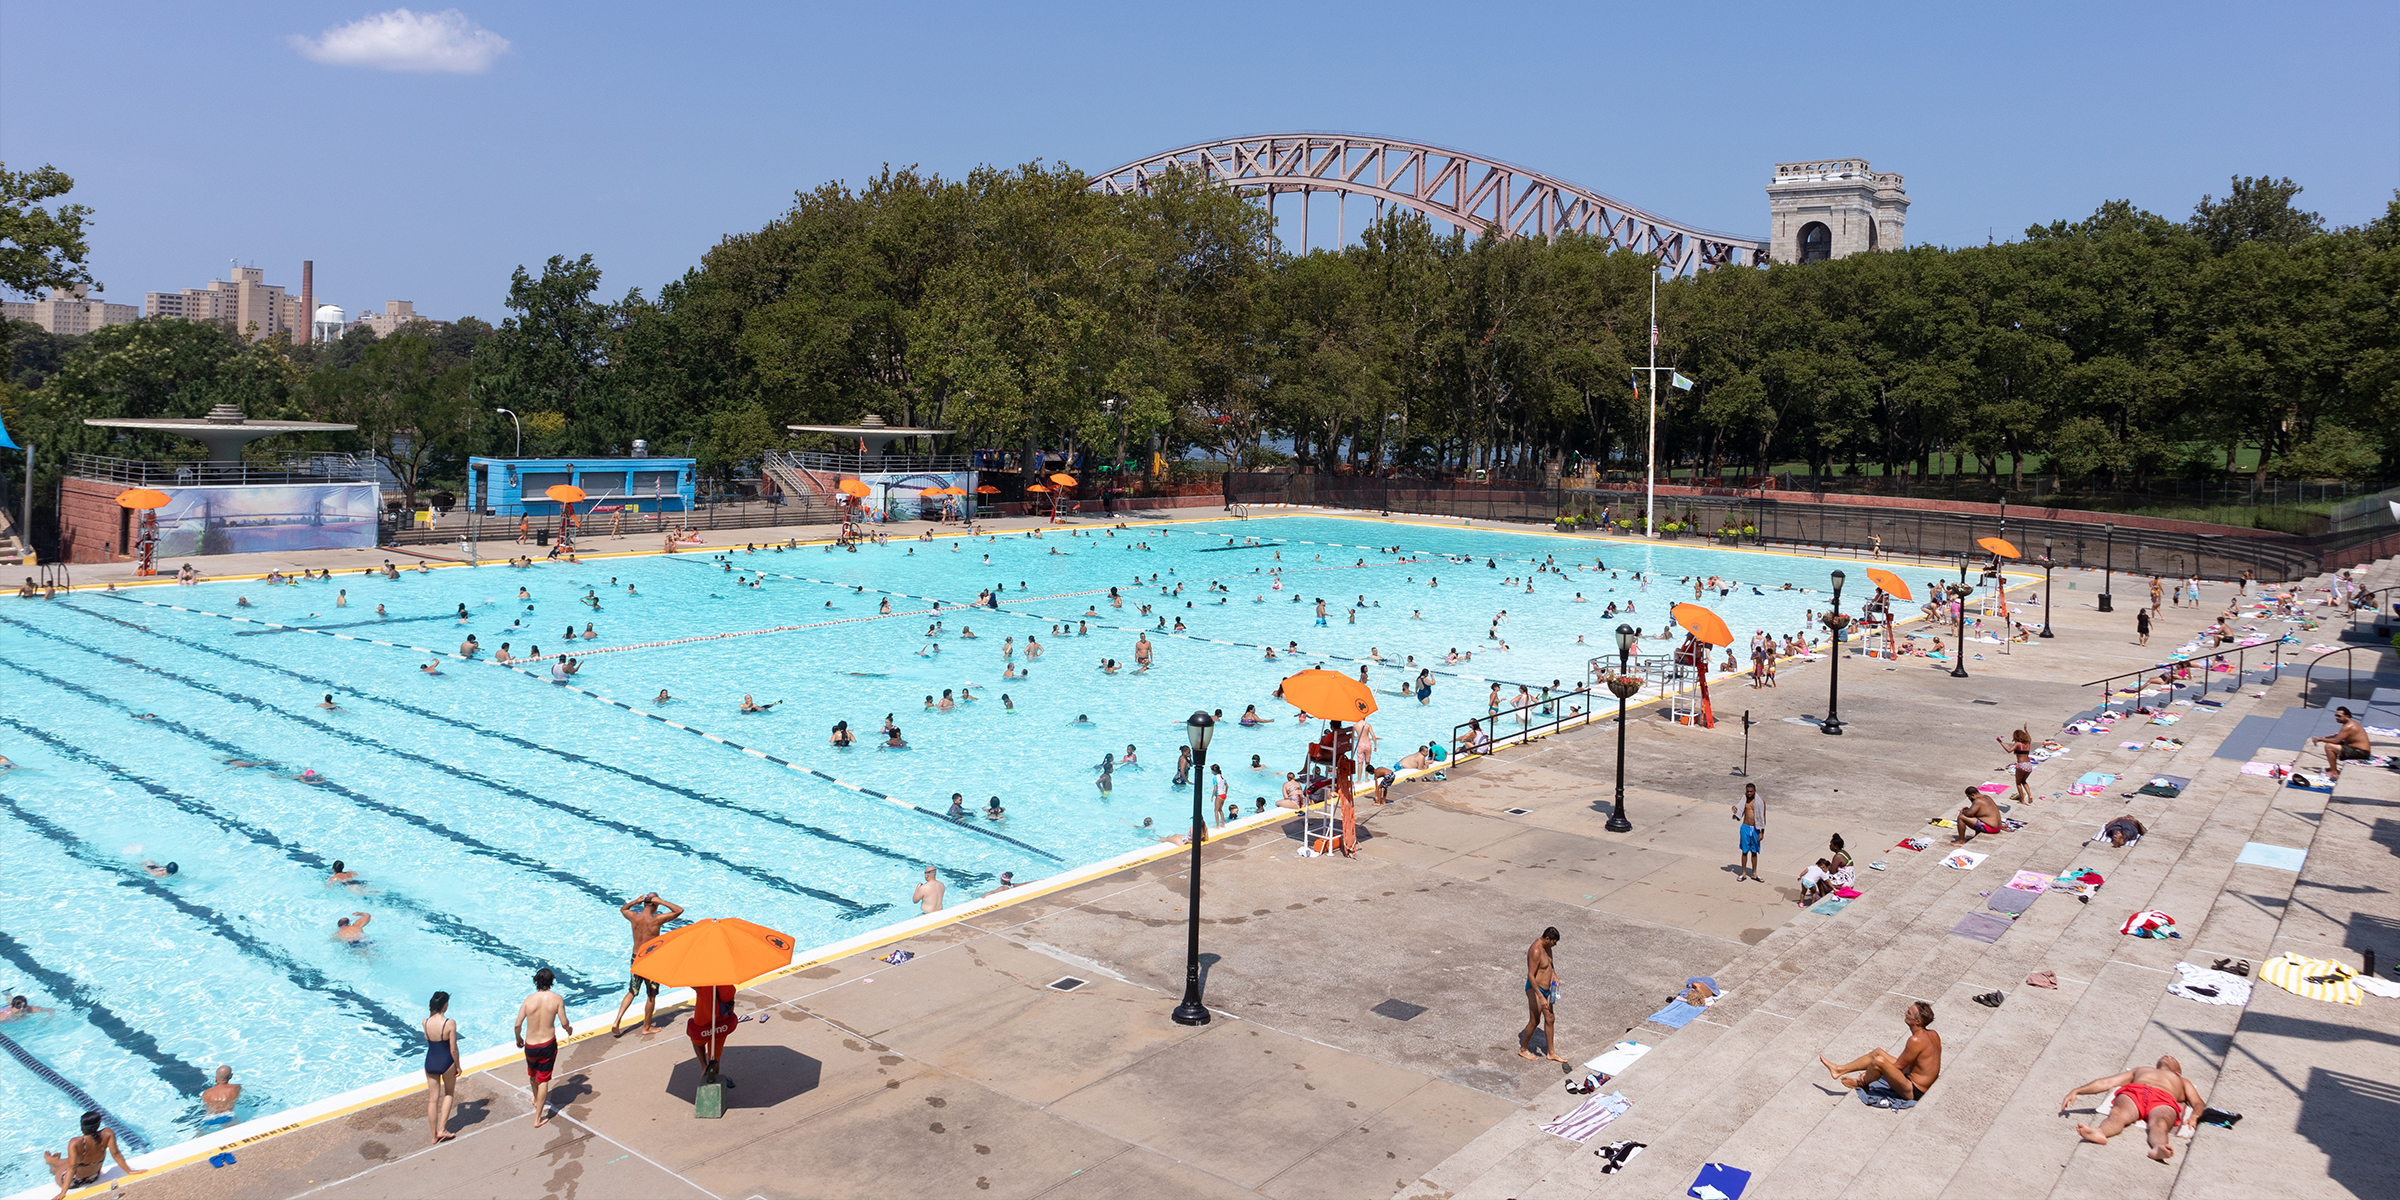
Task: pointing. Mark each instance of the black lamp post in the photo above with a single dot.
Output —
(2047, 563)
(1835, 621)
(2108, 563)
(1958, 596)
(1191, 1012)
(1622, 685)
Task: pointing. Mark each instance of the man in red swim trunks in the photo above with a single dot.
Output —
(712, 1020)
(1981, 813)
(2159, 1097)
(537, 1033)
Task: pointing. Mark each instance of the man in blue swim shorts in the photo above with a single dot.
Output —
(1541, 998)
(1752, 813)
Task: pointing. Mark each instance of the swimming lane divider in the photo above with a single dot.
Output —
(127, 1134)
(857, 910)
(186, 1078)
(304, 977)
(970, 877)
(852, 909)
(442, 922)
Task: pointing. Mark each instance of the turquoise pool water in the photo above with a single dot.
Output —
(498, 820)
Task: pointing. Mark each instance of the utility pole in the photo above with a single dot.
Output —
(1650, 460)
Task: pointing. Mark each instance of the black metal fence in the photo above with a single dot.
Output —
(1519, 724)
(1847, 530)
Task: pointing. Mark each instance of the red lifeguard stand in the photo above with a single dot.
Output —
(145, 502)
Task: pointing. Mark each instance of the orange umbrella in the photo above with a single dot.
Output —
(141, 498)
(564, 493)
(713, 951)
(855, 487)
(1063, 480)
(1890, 583)
(1329, 695)
(1999, 546)
(988, 490)
(1703, 624)
(1035, 487)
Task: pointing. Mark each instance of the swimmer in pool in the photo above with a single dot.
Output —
(894, 741)
(431, 668)
(20, 1008)
(663, 697)
(160, 870)
(841, 734)
(352, 931)
(1083, 719)
(752, 706)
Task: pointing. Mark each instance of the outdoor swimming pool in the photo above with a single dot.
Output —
(497, 820)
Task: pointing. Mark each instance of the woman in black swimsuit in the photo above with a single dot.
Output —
(441, 1068)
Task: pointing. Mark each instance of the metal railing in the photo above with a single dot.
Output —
(2349, 672)
(314, 468)
(500, 525)
(1554, 713)
(1850, 530)
(2241, 669)
(853, 464)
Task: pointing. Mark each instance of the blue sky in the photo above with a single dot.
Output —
(202, 133)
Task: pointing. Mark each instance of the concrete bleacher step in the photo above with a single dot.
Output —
(1742, 1085)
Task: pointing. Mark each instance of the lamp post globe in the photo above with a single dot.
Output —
(1198, 730)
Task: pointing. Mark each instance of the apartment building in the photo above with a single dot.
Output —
(395, 314)
(257, 309)
(70, 311)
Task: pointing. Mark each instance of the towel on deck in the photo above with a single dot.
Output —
(1589, 1117)
(2011, 902)
(2223, 987)
(1676, 1014)
(1619, 1057)
(1717, 1181)
(2291, 972)
(1829, 905)
(1981, 926)
(1964, 860)
(2030, 881)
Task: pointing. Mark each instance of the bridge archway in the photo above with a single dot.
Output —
(1473, 192)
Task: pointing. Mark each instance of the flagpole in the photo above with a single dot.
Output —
(1650, 460)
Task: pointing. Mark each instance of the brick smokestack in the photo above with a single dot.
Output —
(308, 299)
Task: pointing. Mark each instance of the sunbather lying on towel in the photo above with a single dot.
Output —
(2123, 830)
(2159, 1097)
(1909, 1075)
(1982, 812)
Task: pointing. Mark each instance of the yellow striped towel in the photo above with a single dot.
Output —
(2291, 972)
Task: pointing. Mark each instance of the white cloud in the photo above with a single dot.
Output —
(401, 40)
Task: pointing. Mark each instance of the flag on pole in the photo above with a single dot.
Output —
(1653, 333)
(1680, 382)
(1637, 383)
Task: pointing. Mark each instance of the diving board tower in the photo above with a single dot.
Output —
(223, 503)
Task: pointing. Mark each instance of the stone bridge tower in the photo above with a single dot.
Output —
(1832, 208)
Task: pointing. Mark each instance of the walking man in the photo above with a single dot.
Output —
(2158, 1097)
(643, 913)
(1541, 998)
(1752, 813)
(537, 1034)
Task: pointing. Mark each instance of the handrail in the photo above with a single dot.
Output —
(2349, 671)
(1527, 729)
(311, 468)
(2241, 667)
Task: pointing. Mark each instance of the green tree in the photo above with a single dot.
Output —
(40, 247)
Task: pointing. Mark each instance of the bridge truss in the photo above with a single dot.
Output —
(1471, 191)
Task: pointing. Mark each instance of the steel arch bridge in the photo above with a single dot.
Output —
(1471, 191)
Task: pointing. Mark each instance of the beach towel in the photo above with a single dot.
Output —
(2310, 781)
(2030, 881)
(1829, 905)
(2164, 786)
(2292, 973)
(2011, 902)
(1981, 926)
(2381, 987)
(2090, 783)
(1913, 843)
(1589, 1117)
(2275, 770)
(1675, 1015)
(2209, 987)
(1619, 1057)
(1717, 1181)
(1964, 860)
(2282, 858)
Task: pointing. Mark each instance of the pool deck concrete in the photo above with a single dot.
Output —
(963, 1072)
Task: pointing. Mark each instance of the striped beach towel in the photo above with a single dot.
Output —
(2291, 972)
(1589, 1118)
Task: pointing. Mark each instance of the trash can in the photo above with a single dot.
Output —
(541, 537)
